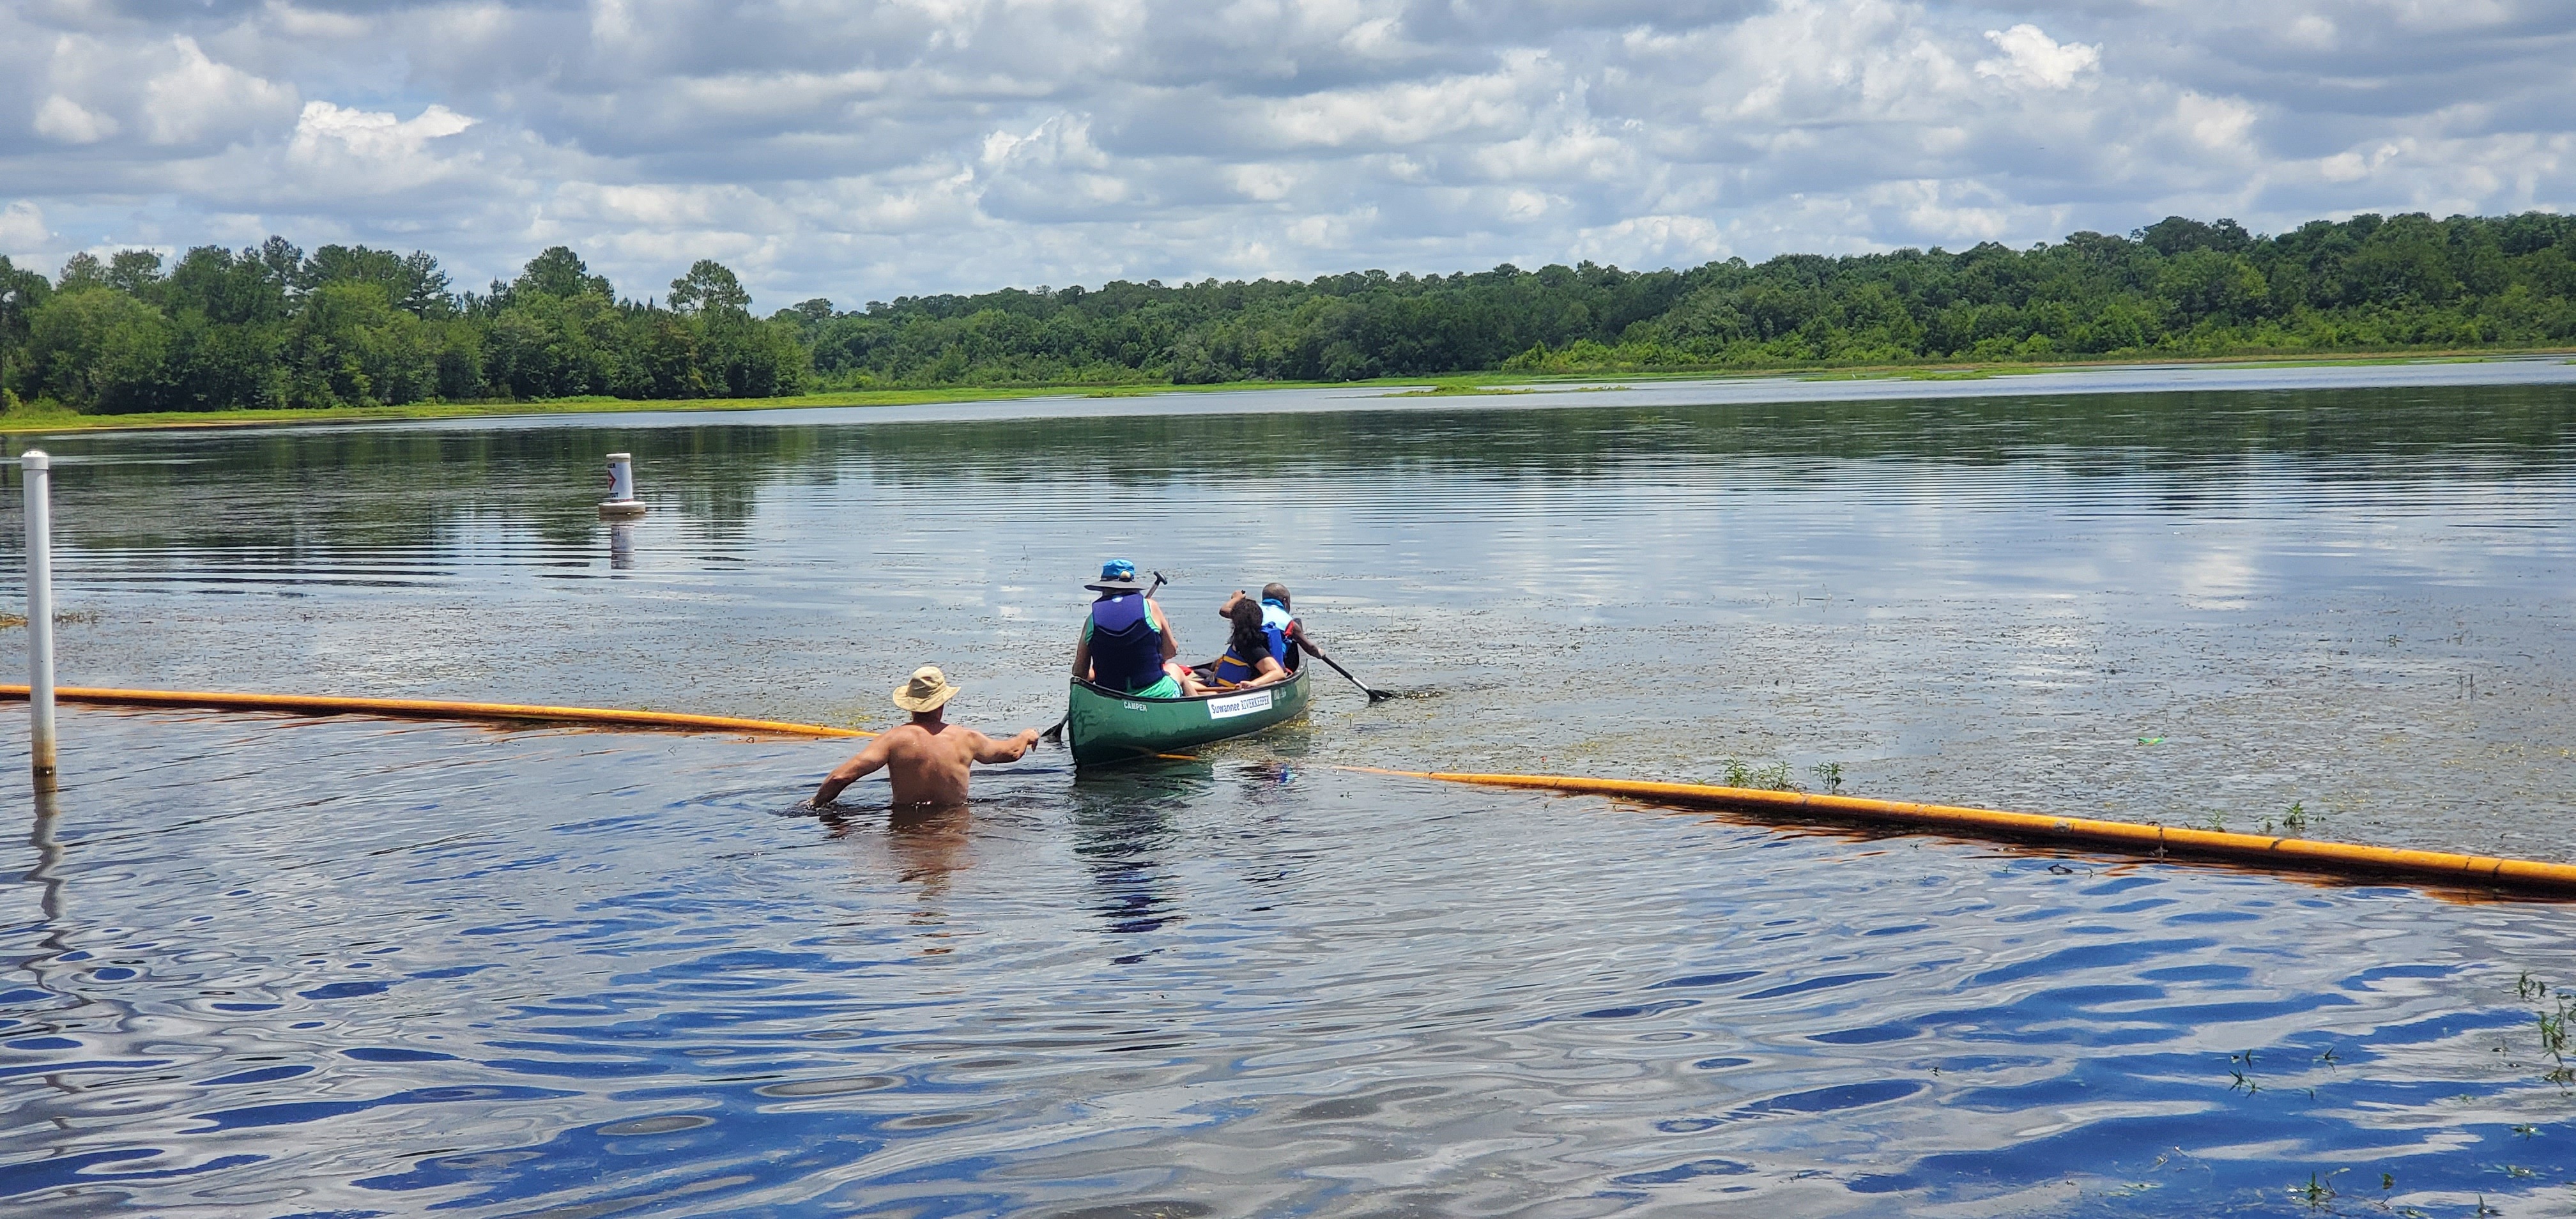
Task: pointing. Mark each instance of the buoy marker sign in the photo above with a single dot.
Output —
(621, 499)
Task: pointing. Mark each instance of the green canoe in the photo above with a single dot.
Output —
(1104, 726)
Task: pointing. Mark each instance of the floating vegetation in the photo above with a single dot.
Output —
(2557, 1024)
(1453, 390)
(1774, 777)
(2241, 1066)
(66, 618)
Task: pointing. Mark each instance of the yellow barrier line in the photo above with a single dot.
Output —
(422, 708)
(2301, 854)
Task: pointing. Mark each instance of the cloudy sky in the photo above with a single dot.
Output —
(863, 150)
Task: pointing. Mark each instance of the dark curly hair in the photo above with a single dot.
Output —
(1249, 641)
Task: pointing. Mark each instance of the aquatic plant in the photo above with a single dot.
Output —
(2296, 820)
(2316, 1194)
(2557, 1025)
(1830, 774)
(2242, 1067)
(1774, 777)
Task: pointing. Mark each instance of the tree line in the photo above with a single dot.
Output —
(271, 326)
(350, 325)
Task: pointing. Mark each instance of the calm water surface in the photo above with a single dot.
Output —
(287, 967)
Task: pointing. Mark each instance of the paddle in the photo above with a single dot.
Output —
(1056, 734)
(1374, 696)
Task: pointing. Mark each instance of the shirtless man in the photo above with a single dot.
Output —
(928, 759)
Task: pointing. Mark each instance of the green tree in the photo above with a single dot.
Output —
(349, 346)
(546, 346)
(709, 287)
(97, 349)
(560, 273)
(82, 270)
(22, 292)
(412, 282)
(137, 273)
(228, 290)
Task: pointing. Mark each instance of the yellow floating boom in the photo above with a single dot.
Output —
(422, 708)
(2291, 854)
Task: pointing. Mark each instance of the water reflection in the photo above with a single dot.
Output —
(621, 546)
(1125, 819)
(47, 874)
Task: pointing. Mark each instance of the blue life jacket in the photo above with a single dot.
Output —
(1233, 670)
(1276, 622)
(1126, 647)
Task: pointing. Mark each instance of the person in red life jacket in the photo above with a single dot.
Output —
(1127, 644)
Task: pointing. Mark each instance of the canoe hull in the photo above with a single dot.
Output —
(1101, 726)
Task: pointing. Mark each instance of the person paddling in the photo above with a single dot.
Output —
(929, 758)
(1127, 644)
(1288, 639)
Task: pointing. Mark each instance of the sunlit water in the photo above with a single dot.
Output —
(287, 967)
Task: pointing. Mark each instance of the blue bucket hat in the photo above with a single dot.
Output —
(1117, 576)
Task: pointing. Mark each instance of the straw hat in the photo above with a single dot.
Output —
(927, 690)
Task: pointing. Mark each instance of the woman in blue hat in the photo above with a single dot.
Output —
(1127, 643)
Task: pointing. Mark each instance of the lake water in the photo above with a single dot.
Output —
(259, 965)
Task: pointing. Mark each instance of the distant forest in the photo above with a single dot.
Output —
(272, 326)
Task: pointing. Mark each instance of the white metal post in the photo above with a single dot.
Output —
(40, 615)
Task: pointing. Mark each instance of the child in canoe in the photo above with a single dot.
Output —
(1252, 652)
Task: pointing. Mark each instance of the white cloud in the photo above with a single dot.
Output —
(66, 121)
(935, 145)
(196, 96)
(391, 152)
(22, 228)
(2220, 124)
(2033, 57)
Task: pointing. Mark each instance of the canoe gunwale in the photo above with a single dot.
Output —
(1106, 692)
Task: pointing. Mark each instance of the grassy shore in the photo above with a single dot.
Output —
(24, 418)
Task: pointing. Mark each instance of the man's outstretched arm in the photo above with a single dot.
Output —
(988, 750)
(866, 762)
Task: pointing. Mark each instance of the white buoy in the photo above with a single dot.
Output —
(621, 499)
(40, 615)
